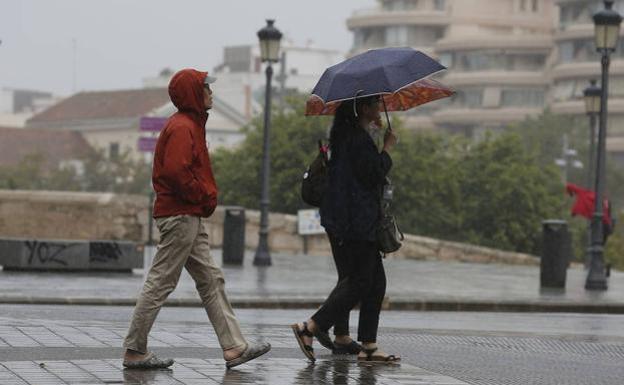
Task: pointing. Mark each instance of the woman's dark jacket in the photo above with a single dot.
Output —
(357, 171)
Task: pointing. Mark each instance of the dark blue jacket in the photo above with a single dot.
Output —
(357, 171)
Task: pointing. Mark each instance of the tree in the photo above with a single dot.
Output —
(493, 193)
(427, 175)
(506, 194)
(97, 173)
(543, 136)
(294, 140)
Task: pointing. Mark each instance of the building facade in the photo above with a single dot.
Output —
(577, 62)
(507, 59)
(241, 79)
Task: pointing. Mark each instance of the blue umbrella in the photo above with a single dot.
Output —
(399, 75)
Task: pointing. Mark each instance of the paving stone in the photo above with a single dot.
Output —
(268, 371)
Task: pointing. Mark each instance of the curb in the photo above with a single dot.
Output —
(313, 303)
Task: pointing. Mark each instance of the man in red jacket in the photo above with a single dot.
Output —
(584, 206)
(186, 194)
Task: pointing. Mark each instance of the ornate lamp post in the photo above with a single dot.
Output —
(592, 95)
(269, 53)
(607, 31)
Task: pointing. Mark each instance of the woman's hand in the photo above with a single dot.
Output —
(390, 139)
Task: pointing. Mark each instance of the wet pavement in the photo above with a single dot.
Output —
(304, 281)
(192, 371)
(45, 345)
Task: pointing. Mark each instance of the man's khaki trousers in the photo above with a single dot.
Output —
(183, 243)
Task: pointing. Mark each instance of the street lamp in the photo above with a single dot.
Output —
(269, 52)
(607, 31)
(592, 96)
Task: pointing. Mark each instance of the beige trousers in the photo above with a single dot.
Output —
(184, 243)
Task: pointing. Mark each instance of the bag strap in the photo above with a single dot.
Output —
(323, 150)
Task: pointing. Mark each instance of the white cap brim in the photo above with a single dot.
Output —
(210, 80)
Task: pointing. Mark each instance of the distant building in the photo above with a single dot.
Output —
(496, 51)
(17, 106)
(55, 148)
(507, 59)
(241, 79)
(576, 62)
(109, 120)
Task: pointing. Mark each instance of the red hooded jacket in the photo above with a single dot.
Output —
(182, 175)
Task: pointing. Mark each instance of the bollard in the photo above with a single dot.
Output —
(556, 253)
(233, 236)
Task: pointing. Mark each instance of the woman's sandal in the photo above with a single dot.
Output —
(371, 357)
(350, 348)
(308, 350)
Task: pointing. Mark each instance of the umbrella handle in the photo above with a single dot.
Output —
(386, 111)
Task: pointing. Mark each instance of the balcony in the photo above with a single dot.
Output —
(585, 70)
(577, 107)
(382, 18)
(575, 31)
(483, 116)
(495, 77)
(530, 43)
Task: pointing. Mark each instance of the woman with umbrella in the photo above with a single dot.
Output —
(356, 91)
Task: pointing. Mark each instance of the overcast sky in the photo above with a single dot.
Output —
(119, 42)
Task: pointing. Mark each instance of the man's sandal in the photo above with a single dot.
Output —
(308, 350)
(371, 357)
(149, 362)
(250, 352)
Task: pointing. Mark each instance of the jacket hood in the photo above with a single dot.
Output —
(186, 90)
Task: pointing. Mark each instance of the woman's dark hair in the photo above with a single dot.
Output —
(345, 122)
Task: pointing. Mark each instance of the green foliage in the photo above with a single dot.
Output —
(294, 140)
(543, 136)
(615, 245)
(492, 193)
(98, 173)
(427, 176)
(506, 194)
(495, 192)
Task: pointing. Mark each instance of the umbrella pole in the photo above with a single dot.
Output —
(386, 111)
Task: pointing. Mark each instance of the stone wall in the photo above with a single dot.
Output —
(89, 216)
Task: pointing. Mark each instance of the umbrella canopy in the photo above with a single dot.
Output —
(399, 75)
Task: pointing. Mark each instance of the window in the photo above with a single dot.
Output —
(396, 35)
(579, 51)
(523, 98)
(567, 90)
(523, 5)
(400, 5)
(581, 12)
(468, 98)
(439, 5)
(566, 52)
(535, 6)
(446, 59)
(368, 37)
(113, 150)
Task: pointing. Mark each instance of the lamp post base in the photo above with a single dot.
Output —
(596, 277)
(596, 285)
(263, 256)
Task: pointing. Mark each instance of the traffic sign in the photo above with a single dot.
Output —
(147, 144)
(152, 123)
(309, 222)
